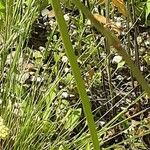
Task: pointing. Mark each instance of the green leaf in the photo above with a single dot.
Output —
(87, 147)
(2, 9)
(72, 119)
(37, 54)
(62, 147)
(147, 58)
(120, 64)
(2, 4)
(42, 4)
(147, 9)
(38, 57)
(61, 111)
(48, 127)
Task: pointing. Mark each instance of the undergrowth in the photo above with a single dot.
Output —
(46, 104)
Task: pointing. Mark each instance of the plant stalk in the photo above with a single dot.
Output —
(76, 72)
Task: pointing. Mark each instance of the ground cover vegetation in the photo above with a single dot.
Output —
(74, 74)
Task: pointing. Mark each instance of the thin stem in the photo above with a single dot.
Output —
(76, 72)
(107, 47)
(128, 39)
(137, 62)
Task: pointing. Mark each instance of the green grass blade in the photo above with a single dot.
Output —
(76, 72)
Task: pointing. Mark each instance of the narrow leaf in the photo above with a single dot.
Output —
(147, 9)
(120, 6)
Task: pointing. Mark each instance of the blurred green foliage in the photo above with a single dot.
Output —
(143, 6)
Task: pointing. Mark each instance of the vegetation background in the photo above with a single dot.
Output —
(74, 74)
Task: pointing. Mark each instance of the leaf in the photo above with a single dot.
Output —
(120, 6)
(2, 9)
(118, 60)
(147, 9)
(2, 6)
(48, 127)
(87, 146)
(120, 64)
(37, 54)
(72, 118)
(100, 1)
(28, 2)
(62, 147)
(101, 19)
(62, 108)
(147, 58)
(42, 4)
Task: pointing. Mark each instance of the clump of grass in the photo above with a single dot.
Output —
(40, 114)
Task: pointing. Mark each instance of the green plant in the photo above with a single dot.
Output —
(39, 101)
(76, 72)
(147, 17)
